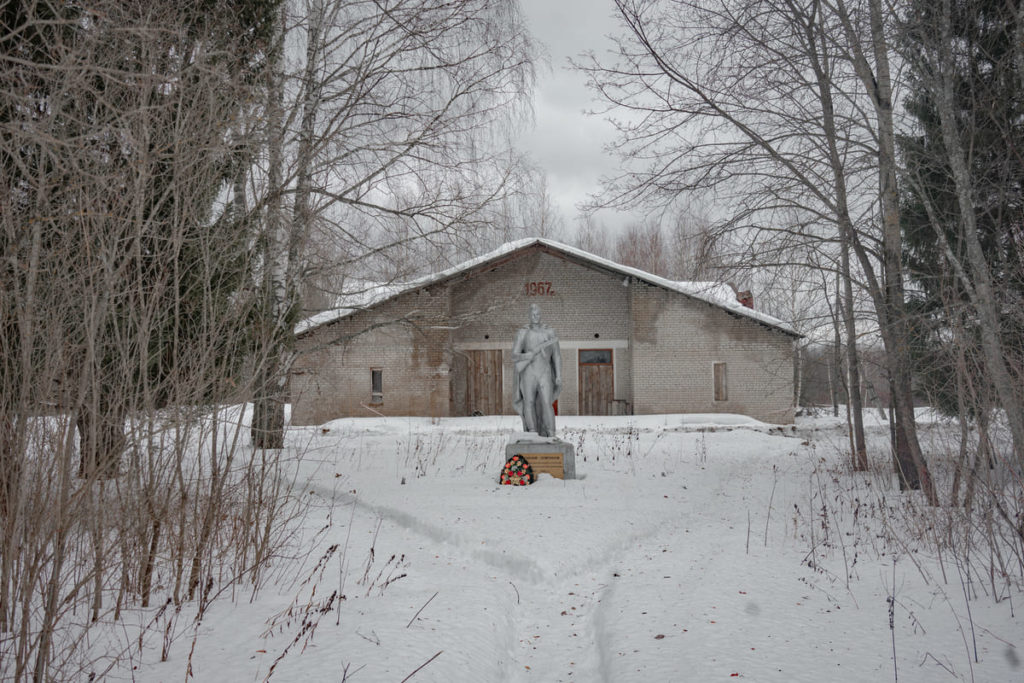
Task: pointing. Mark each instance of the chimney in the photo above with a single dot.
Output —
(746, 298)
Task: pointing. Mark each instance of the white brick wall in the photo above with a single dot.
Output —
(675, 344)
(587, 308)
(334, 381)
(664, 345)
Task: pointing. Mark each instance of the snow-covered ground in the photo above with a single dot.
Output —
(690, 548)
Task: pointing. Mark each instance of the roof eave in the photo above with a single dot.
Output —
(510, 250)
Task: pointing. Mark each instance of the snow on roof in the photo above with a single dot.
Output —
(368, 295)
(714, 293)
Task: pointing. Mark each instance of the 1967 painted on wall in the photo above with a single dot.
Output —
(539, 289)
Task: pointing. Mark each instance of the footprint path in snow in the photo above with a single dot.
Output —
(586, 626)
(573, 614)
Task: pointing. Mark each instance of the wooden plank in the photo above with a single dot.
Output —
(459, 385)
(597, 389)
(721, 383)
(494, 385)
(483, 390)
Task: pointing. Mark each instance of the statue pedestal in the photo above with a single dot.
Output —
(544, 453)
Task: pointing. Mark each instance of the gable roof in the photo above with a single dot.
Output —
(715, 294)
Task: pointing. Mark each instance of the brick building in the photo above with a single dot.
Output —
(631, 342)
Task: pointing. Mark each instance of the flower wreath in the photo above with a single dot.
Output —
(517, 472)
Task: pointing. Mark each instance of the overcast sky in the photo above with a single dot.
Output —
(565, 142)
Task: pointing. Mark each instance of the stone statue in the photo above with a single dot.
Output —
(538, 375)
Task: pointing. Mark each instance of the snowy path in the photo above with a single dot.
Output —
(620, 618)
(654, 566)
(625, 578)
(545, 561)
(590, 572)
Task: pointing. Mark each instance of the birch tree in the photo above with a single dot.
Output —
(382, 116)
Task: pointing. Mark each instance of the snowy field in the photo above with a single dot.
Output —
(690, 548)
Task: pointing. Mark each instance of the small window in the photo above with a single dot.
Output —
(376, 385)
(721, 383)
(595, 356)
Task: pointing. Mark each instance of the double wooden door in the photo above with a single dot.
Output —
(484, 391)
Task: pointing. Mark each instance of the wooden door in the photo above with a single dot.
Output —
(483, 377)
(597, 381)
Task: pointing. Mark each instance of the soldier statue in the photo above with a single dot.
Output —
(538, 374)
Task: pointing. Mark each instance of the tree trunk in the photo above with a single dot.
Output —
(833, 383)
(267, 430)
(146, 581)
(837, 357)
(798, 379)
(961, 400)
(101, 439)
(889, 303)
(983, 454)
(907, 446)
(902, 459)
(820, 61)
(50, 589)
(10, 480)
(10, 468)
(860, 453)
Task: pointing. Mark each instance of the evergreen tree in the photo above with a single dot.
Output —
(120, 134)
(989, 106)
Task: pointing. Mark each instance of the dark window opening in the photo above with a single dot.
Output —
(376, 385)
(595, 356)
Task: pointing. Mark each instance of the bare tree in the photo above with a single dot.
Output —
(593, 236)
(733, 98)
(529, 211)
(869, 36)
(691, 247)
(642, 245)
(122, 301)
(385, 123)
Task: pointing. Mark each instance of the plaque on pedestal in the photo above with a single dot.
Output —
(544, 453)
